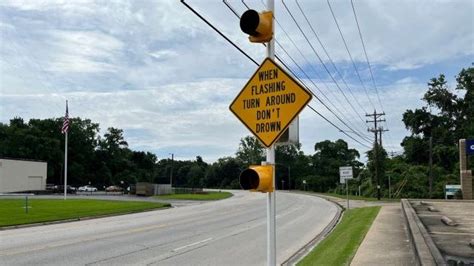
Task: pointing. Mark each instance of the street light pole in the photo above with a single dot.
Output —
(171, 172)
(289, 178)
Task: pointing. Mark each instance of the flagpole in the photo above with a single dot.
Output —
(65, 167)
(65, 153)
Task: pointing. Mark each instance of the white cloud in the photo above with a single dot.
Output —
(81, 51)
(164, 54)
(157, 71)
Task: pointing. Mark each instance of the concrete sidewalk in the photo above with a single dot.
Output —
(387, 241)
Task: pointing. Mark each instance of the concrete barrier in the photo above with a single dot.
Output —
(447, 221)
(425, 249)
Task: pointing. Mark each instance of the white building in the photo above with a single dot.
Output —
(22, 175)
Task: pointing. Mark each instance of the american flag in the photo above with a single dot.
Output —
(65, 127)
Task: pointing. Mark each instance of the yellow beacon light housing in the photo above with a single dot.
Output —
(257, 178)
(258, 25)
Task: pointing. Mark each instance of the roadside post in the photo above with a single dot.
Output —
(26, 203)
(267, 105)
(389, 188)
(345, 173)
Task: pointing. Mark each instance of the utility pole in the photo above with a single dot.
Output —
(381, 129)
(171, 172)
(389, 188)
(289, 178)
(431, 167)
(376, 130)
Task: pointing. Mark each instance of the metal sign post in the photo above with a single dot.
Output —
(268, 103)
(271, 199)
(347, 192)
(345, 173)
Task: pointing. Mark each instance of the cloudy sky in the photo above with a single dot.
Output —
(157, 71)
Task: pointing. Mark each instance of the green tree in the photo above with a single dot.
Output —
(250, 151)
(224, 173)
(327, 159)
(195, 176)
(446, 118)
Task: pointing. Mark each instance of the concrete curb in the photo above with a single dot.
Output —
(425, 249)
(295, 258)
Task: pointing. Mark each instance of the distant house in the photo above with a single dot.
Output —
(18, 175)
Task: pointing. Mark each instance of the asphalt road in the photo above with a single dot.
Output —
(226, 232)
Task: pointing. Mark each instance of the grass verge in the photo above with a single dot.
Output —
(354, 197)
(12, 211)
(197, 196)
(341, 245)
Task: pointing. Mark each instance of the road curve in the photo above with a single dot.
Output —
(226, 232)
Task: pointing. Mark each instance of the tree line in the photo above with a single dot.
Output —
(106, 159)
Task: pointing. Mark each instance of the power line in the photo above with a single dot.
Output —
(317, 55)
(310, 79)
(376, 130)
(329, 57)
(340, 130)
(350, 55)
(370, 67)
(300, 68)
(353, 63)
(218, 31)
(357, 132)
(365, 53)
(327, 120)
(319, 58)
(255, 62)
(341, 120)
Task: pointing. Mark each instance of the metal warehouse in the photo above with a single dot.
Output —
(17, 175)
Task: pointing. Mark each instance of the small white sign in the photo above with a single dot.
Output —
(345, 172)
(451, 190)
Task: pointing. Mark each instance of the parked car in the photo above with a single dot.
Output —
(60, 189)
(113, 189)
(87, 188)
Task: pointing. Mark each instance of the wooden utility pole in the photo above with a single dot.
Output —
(376, 130)
(431, 167)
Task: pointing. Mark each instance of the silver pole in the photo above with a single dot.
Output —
(271, 204)
(271, 232)
(389, 188)
(347, 192)
(289, 178)
(171, 172)
(65, 167)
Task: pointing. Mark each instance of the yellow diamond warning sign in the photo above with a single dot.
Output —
(268, 103)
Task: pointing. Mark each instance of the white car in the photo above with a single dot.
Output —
(87, 189)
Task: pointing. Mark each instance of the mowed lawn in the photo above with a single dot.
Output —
(196, 196)
(342, 243)
(354, 197)
(12, 211)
